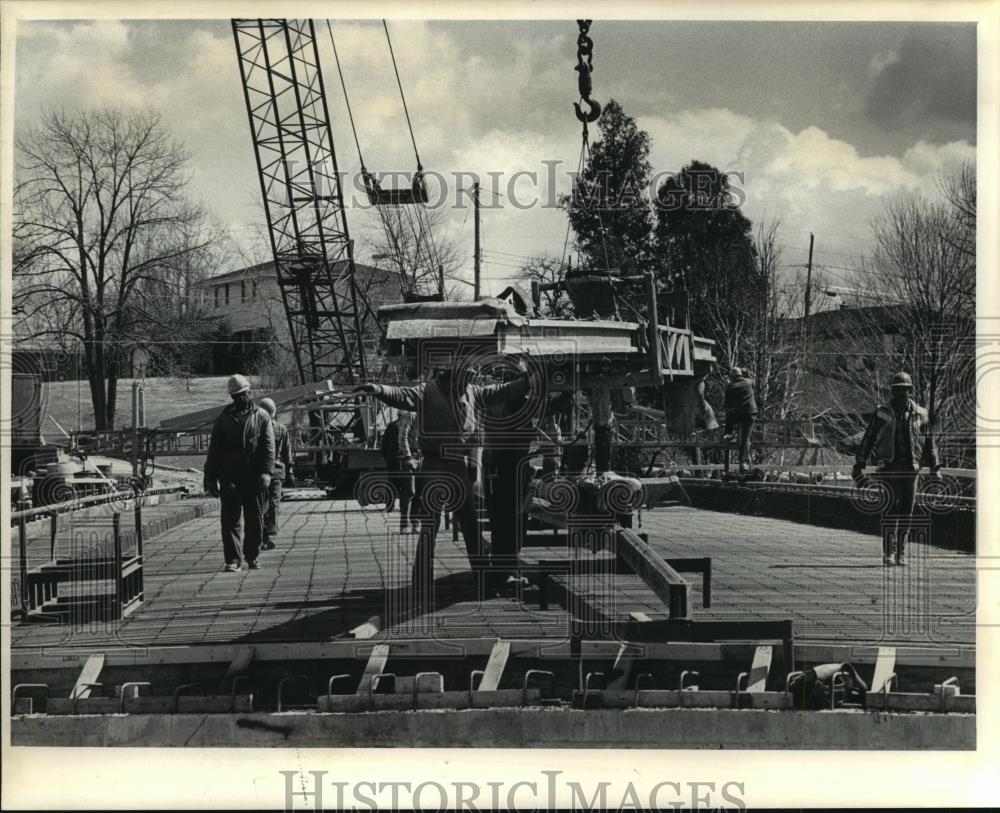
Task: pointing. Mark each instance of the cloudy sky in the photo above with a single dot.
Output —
(827, 121)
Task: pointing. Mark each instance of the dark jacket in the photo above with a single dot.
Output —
(444, 421)
(740, 401)
(282, 450)
(240, 447)
(879, 439)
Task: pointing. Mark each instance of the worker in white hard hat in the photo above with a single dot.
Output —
(282, 475)
(238, 470)
(900, 438)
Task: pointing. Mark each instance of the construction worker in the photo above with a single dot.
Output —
(741, 411)
(509, 430)
(447, 409)
(238, 470)
(399, 451)
(899, 437)
(283, 474)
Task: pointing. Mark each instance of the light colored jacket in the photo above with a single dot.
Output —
(879, 439)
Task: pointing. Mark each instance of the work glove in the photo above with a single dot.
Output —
(857, 472)
(365, 389)
(411, 464)
(211, 487)
(265, 481)
(935, 475)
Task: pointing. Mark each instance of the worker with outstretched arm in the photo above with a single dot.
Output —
(447, 409)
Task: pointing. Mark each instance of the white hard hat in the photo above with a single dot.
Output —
(237, 384)
(268, 404)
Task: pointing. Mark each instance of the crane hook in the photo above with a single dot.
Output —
(593, 115)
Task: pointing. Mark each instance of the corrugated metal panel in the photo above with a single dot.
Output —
(564, 338)
(440, 328)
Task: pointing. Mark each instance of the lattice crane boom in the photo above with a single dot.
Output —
(303, 199)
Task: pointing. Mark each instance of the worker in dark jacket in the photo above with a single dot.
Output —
(447, 409)
(741, 411)
(509, 430)
(400, 455)
(900, 439)
(238, 470)
(283, 474)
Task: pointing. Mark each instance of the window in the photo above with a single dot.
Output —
(218, 294)
(254, 294)
(227, 293)
(243, 291)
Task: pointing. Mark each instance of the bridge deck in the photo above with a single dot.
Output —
(337, 565)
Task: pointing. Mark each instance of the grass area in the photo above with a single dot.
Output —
(68, 402)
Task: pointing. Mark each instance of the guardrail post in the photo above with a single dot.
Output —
(53, 533)
(116, 533)
(22, 534)
(138, 523)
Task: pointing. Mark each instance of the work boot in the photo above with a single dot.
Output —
(887, 561)
(901, 560)
(267, 545)
(231, 567)
(253, 565)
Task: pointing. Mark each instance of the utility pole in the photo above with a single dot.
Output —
(809, 275)
(805, 320)
(477, 259)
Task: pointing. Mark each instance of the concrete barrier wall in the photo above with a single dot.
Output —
(954, 528)
(512, 728)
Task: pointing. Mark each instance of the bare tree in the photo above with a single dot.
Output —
(959, 189)
(415, 243)
(547, 269)
(170, 309)
(100, 212)
(773, 352)
(921, 278)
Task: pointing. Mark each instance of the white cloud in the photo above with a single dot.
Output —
(79, 64)
(477, 111)
(809, 180)
(881, 61)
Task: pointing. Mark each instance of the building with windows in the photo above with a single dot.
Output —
(248, 307)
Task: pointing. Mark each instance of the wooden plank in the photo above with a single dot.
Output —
(885, 665)
(668, 585)
(376, 663)
(369, 629)
(759, 669)
(58, 657)
(622, 664)
(186, 704)
(241, 660)
(90, 673)
(495, 667)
